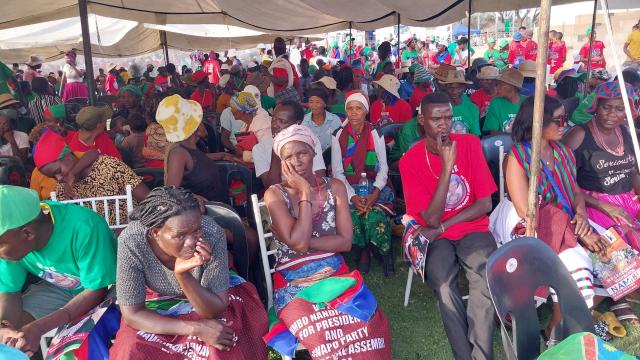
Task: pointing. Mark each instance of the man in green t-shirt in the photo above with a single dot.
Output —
(504, 107)
(68, 246)
(410, 53)
(466, 116)
(491, 54)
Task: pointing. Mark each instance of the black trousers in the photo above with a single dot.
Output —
(470, 330)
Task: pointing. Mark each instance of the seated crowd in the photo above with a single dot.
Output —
(334, 180)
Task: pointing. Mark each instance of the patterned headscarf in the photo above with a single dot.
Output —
(611, 90)
(245, 102)
(294, 133)
(421, 75)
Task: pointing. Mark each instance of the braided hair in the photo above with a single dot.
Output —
(163, 203)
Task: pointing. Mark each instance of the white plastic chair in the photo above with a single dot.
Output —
(265, 254)
(128, 197)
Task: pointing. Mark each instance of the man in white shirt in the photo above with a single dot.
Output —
(267, 163)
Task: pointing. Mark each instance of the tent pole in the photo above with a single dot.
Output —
(623, 85)
(350, 45)
(399, 60)
(538, 113)
(469, 36)
(593, 27)
(86, 48)
(165, 48)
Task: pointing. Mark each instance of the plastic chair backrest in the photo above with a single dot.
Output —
(12, 171)
(491, 146)
(227, 218)
(152, 177)
(93, 202)
(214, 143)
(235, 171)
(258, 208)
(514, 272)
(389, 131)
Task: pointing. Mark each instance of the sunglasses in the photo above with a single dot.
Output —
(561, 120)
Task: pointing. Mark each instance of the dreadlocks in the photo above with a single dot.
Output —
(163, 203)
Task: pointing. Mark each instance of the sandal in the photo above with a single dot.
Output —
(624, 312)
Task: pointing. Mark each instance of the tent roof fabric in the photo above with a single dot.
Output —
(272, 16)
(138, 41)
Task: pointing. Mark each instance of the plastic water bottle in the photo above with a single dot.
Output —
(363, 185)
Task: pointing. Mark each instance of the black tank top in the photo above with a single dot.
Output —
(204, 178)
(601, 171)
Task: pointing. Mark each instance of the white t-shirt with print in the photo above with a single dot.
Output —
(22, 140)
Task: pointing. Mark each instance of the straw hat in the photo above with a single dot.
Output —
(389, 83)
(455, 77)
(35, 60)
(89, 117)
(528, 68)
(488, 73)
(328, 82)
(6, 100)
(512, 77)
(110, 67)
(441, 72)
(179, 117)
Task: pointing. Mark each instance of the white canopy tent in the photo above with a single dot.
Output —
(120, 38)
(270, 16)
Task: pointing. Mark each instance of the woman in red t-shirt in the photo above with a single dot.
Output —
(202, 94)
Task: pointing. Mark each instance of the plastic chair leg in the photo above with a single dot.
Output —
(407, 290)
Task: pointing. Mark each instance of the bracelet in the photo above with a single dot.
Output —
(301, 201)
(442, 229)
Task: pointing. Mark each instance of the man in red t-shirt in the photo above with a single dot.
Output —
(530, 46)
(447, 188)
(597, 52)
(488, 81)
(389, 108)
(91, 133)
(557, 54)
(280, 76)
(517, 50)
(212, 67)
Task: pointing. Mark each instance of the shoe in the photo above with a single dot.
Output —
(387, 265)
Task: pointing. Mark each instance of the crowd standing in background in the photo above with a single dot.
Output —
(340, 142)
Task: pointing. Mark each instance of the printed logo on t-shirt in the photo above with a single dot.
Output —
(458, 126)
(65, 281)
(508, 125)
(458, 193)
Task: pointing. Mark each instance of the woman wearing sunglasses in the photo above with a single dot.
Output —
(562, 217)
(607, 170)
